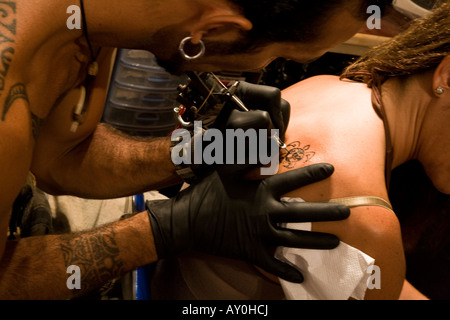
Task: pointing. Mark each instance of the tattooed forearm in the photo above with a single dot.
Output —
(8, 30)
(7, 34)
(6, 59)
(96, 254)
(295, 153)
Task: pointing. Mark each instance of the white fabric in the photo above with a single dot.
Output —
(337, 274)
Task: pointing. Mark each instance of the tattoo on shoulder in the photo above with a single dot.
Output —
(295, 154)
(96, 254)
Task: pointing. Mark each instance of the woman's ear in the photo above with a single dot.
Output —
(441, 77)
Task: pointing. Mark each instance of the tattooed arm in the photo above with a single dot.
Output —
(105, 165)
(98, 161)
(36, 267)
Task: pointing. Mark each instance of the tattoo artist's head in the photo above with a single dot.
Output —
(249, 34)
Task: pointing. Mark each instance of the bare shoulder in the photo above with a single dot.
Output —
(315, 81)
(345, 132)
(333, 121)
(326, 92)
(376, 232)
(322, 80)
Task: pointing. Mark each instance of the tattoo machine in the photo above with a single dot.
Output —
(203, 93)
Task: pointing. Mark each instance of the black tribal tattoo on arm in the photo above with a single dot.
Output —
(7, 34)
(95, 253)
(17, 91)
(8, 30)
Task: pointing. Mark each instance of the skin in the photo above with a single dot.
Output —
(423, 139)
(44, 67)
(328, 126)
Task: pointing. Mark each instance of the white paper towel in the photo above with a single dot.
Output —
(337, 274)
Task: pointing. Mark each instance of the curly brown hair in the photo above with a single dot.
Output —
(419, 48)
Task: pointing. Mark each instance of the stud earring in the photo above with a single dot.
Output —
(440, 90)
(185, 55)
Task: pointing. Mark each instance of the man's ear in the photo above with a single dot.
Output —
(441, 77)
(220, 24)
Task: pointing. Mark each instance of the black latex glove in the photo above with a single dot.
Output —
(266, 98)
(267, 111)
(235, 218)
(265, 103)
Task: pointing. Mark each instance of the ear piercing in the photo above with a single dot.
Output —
(440, 90)
(185, 55)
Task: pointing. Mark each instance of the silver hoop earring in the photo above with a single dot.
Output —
(185, 55)
(440, 90)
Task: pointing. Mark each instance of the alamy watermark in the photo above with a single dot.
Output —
(374, 21)
(74, 280)
(74, 20)
(235, 146)
(374, 280)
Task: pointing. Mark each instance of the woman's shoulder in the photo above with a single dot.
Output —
(327, 92)
(333, 121)
(325, 79)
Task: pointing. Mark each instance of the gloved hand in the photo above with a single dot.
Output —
(265, 103)
(267, 111)
(235, 218)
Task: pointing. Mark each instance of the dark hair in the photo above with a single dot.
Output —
(294, 20)
(420, 48)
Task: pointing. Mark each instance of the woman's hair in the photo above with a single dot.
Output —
(420, 48)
